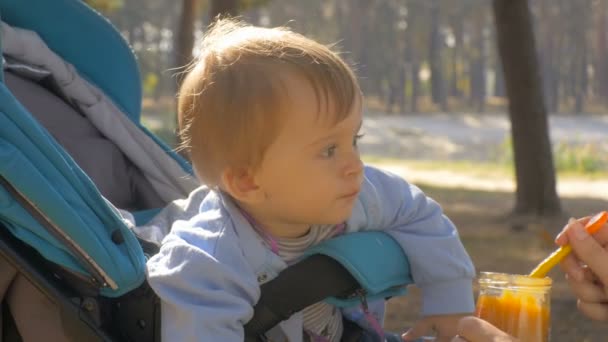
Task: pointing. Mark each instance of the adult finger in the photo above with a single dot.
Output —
(589, 251)
(601, 236)
(458, 339)
(420, 328)
(587, 291)
(562, 237)
(572, 267)
(442, 339)
(474, 329)
(595, 311)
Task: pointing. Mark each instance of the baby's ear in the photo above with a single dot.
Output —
(240, 184)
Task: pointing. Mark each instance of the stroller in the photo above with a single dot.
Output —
(81, 179)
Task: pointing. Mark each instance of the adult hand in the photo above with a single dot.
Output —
(473, 329)
(445, 326)
(587, 267)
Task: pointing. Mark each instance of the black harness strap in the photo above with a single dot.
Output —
(296, 288)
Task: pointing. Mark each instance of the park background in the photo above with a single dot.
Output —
(496, 109)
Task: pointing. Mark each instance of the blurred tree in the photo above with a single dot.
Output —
(550, 42)
(578, 25)
(361, 15)
(105, 6)
(388, 41)
(416, 42)
(536, 193)
(184, 40)
(232, 8)
(457, 30)
(601, 63)
(223, 8)
(436, 42)
(477, 61)
(188, 18)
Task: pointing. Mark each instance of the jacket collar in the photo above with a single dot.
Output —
(265, 264)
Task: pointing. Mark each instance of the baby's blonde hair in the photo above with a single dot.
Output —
(233, 99)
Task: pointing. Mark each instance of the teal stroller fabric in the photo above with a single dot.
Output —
(46, 199)
(33, 163)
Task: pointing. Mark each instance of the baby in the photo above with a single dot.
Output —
(271, 121)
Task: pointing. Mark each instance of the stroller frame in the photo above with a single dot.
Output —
(86, 315)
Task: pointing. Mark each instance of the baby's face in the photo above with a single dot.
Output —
(312, 173)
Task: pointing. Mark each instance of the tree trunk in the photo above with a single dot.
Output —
(602, 61)
(536, 194)
(581, 89)
(184, 43)
(410, 83)
(454, 73)
(477, 65)
(223, 8)
(550, 50)
(556, 80)
(415, 86)
(402, 82)
(456, 52)
(438, 94)
(357, 27)
(582, 60)
(499, 80)
(480, 104)
(578, 60)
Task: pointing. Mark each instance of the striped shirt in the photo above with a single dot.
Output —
(322, 322)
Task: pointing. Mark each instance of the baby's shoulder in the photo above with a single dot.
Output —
(202, 250)
(205, 232)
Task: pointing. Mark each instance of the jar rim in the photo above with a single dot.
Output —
(512, 280)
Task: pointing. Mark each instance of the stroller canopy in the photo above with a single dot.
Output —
(85, 39)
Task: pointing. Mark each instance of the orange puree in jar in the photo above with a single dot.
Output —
(517, 304)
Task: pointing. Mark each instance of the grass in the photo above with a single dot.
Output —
(459, 166)
(585, 159)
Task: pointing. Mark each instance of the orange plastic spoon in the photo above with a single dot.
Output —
(594, 224)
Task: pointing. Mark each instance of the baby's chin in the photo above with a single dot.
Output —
(336, 216)
(338, 219)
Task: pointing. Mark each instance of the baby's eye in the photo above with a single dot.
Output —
(329, 151)
(357, 138)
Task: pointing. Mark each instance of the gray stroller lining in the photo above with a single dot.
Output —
(118, 180)
(163, 173)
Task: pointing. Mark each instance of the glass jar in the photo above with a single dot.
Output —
(517, 304)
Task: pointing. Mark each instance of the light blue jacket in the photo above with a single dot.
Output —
(209, 269)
